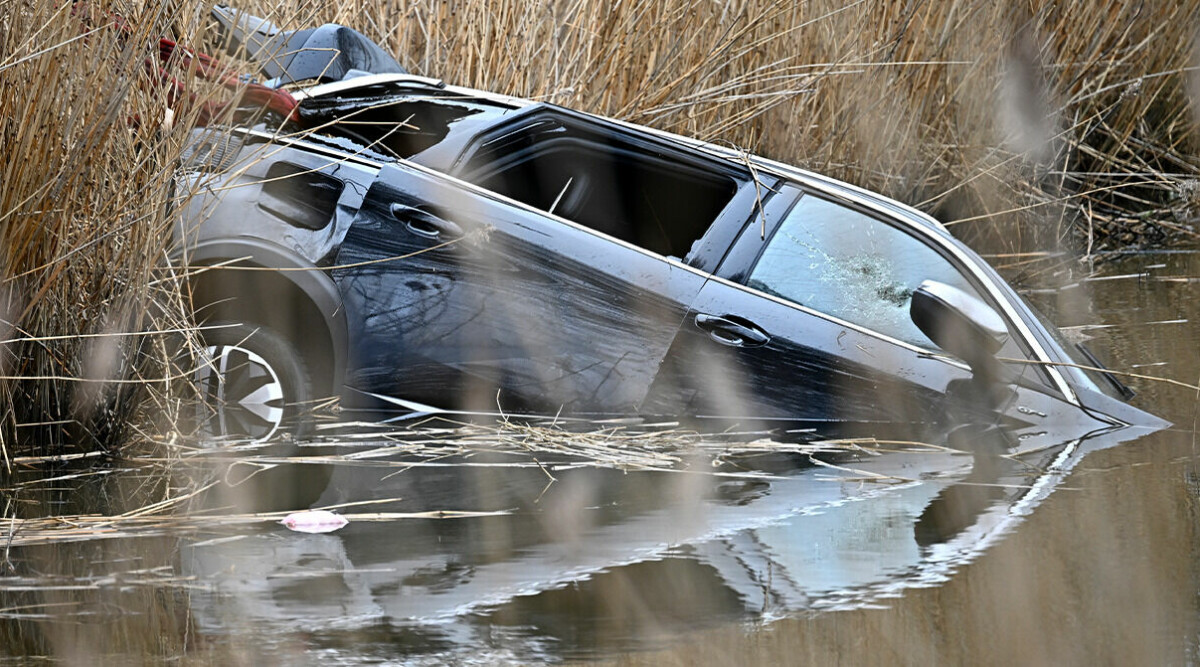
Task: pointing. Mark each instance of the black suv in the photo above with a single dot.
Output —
(401, 242)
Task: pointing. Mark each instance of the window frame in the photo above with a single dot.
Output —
(723, 230)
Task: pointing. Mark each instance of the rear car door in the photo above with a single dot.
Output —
(808, 321)
(461, 299)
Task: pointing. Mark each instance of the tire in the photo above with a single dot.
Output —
(252, 382)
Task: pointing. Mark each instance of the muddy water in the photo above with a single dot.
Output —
(1083, 549)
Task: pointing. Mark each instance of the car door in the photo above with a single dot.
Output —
(807, 321)
(461, 299)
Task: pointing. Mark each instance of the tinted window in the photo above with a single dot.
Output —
(844, 263)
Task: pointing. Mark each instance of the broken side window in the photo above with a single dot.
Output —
(839, 261)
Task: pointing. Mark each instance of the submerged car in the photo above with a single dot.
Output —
(404, 243)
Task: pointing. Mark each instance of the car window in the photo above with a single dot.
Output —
(847, 264)
(644, 194)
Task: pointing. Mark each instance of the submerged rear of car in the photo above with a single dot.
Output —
(437, 250)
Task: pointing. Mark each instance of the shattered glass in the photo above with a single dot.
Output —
(844, 263)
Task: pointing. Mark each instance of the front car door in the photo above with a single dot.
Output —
(807, 321)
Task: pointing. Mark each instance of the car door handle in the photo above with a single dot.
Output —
(425, 224)
(728, 332)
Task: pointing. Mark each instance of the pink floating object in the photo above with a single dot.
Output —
(316, 521)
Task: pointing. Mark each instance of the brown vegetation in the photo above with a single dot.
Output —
(1027, 124)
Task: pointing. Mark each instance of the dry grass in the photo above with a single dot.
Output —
(81, 224)
(1025, 125)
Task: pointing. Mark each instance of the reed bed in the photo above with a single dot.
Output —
(85, 308)
(1039, 126)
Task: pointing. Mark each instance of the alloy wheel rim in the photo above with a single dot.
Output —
(243, 395)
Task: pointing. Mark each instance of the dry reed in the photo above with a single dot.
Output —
(510, 446)
(1022, 125)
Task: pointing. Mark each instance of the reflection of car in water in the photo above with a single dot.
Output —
(402, 242)
(600, 547)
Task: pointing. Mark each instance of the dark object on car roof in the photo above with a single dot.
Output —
(327, 53)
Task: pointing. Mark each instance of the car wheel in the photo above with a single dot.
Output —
(252, 382)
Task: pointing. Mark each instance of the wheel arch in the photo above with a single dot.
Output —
(257, 281)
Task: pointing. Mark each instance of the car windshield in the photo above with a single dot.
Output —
(1081, 372)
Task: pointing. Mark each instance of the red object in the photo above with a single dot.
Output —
(209, 68)
(171, 55)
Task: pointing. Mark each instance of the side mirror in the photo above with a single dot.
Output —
(960, 324)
